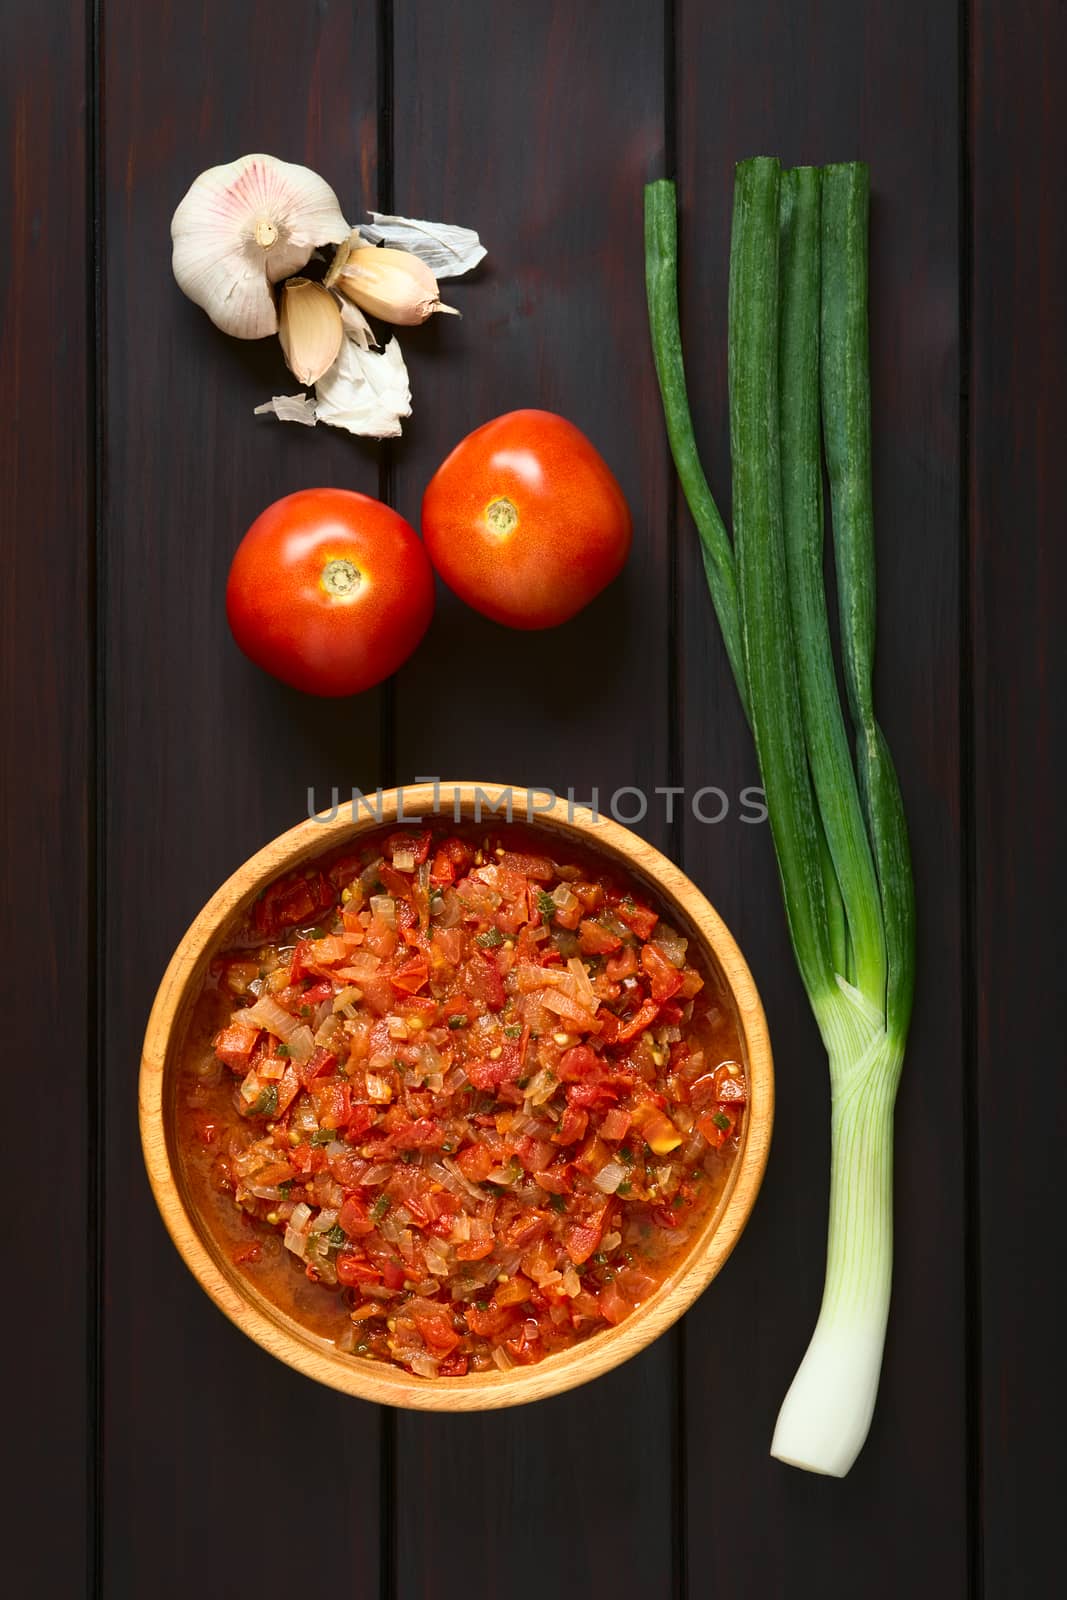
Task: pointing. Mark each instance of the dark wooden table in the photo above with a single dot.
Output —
(156, 1452)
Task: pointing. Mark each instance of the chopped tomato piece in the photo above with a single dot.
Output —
(592, 1095)
(435, 1326)
(410, 978)
(578, 1063)
(614, 1306)
(624, 965)
(483, 981)
(616, 1124)
(717, 1126)
(643, 1018)
(537, 867)
(413, 844)
(317, 993)
(393, 1274)
(354, 1217)
(664, 979)
(234, 1045)
(572, 1126)
(360, 1120)
(476, 1162)
(513, 1293)
(318, 1063)
(474, 1249)
(353, 1267)
(584, 1236)
(507, 1068)
(593, 940)
(639, 919)
(489, 1319)
(292, 902)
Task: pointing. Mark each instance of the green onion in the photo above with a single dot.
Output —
(491, 939)
(265, 1104)
(798, 358)
(546, 905)
(661, 271)
(379, 1208)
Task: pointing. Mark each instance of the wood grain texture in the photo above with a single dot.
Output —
(816, 84)
(207, 757)
(537, 124)
(1018, 580)
(45, 751)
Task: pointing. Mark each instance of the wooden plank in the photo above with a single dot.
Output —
(813, 85)
(538, 124)
(45, 756)
(207, 759)
(1018, 576)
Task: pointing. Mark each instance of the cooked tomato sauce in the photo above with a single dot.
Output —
(457, 1103)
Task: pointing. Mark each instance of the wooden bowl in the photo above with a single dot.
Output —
(316, 1356)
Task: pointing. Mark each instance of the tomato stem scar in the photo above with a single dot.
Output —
(502, 517)
(341, 578)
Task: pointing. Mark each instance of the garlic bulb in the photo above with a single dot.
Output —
(241, 228)
(309, 328)
(391, 284)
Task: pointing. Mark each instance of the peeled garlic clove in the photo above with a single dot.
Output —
(309, 328)
(244, 226)
(391, 284)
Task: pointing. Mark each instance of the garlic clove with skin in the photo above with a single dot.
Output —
(309, 328)
(394, 285)
(242, 227)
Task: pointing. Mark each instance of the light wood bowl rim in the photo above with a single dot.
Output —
(283, 1337)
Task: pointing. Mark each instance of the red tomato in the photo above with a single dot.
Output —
(330, 591)
(525, 521)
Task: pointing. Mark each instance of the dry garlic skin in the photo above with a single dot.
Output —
(244, 226)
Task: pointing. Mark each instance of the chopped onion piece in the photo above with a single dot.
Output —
(452, 1177)
(501, 1357)
(609, 1177)
(404, 859)
(384, 906)
(301, 1043)
(343, 998)
(267, 1013)
(541, 1087)
(671, 943)
(451, 912)
(296, 1242)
